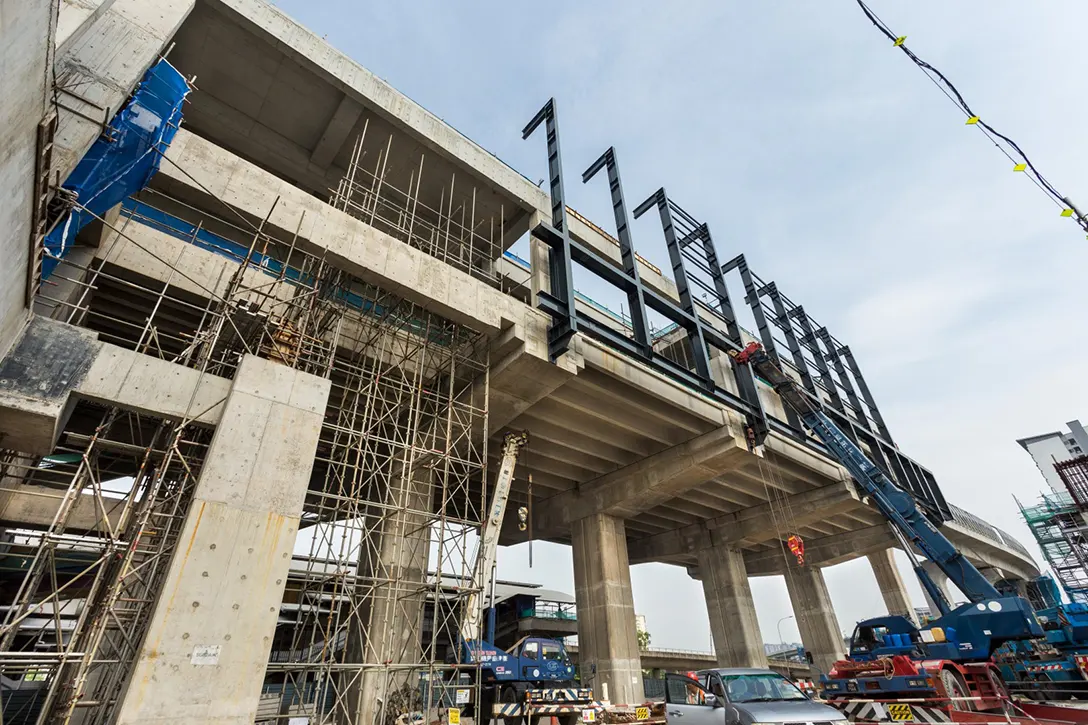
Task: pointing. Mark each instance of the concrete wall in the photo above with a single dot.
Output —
(26, 52)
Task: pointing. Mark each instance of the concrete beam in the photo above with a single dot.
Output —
(211, 629)
(97, 71)
(750, 526)
(205, 175)
(54, 364)
(306, 48)
(336, 131)
(75, 18)
(824, 551)
(36, 507)
(641, 486)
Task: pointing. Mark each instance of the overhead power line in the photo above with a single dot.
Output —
(1004, 144)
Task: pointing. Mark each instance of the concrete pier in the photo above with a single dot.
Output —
(203, 658)
(816, 618)
(606, 609)
(890, 581)
(733, 623)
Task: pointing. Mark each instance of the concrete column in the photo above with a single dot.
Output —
(892, 588)
(396, 607)
(203, 657)
(26, 52)
(941, 580)
(816, 618)
(607, 642)
(733, 623)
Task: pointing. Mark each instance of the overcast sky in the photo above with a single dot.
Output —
(808, 143)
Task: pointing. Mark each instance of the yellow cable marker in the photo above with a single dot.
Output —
(1020, 167)
(972, 120)
(899, 41)
(1067, 212)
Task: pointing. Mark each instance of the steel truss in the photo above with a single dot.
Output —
(706, 325)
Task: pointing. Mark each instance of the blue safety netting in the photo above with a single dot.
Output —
(124, 158)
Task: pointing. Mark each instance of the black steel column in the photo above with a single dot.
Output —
(562, 279)
(786, 325)
(752, 297)
(844, 379)
(865, 392)
(635, 298)
(680, 277)
(809, 341)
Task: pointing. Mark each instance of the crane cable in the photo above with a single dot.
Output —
(1004, 144)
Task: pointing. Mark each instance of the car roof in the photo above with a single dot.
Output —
(740, 671)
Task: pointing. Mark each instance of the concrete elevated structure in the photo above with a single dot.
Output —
(231, 303)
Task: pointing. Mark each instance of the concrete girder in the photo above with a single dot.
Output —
(540, 447)
(641, 378)
(612, 411)
(337, 130)
(745, 528)
(200, 173)
(585, 429)
(102, 68)
(821, 552)
(639, 487)
(31, 506)
(54, 364)
(564, 438)
(601, 385)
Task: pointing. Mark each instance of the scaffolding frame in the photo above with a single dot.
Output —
(389, 524)
(1057, 523)
(454, 230)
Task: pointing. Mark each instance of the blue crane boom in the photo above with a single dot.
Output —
(991, 618)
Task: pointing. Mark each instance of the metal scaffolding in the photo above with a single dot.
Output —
(389, 524)
(451, 228)
(1057, 523)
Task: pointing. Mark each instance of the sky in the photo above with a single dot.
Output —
(808, 143)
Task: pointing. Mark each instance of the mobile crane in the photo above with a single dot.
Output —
(890, 657)
(535, 678)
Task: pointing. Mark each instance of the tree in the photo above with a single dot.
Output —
(643, 639)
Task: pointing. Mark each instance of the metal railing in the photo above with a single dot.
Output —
(988, 531)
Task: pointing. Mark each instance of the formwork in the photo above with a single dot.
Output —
(397, 494)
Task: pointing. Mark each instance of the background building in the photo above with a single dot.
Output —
(1050, 448)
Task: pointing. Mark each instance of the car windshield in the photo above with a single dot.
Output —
(552, 652)
(760, 688)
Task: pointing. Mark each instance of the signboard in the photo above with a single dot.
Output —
(205, 654)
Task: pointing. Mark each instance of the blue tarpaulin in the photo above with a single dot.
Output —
(122, 161)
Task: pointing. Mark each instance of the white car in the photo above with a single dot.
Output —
(742, 696)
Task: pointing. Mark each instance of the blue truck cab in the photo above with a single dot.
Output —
(532, 660)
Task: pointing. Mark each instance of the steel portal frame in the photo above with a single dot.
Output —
(826, 368)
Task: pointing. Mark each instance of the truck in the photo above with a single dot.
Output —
(948, 661)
